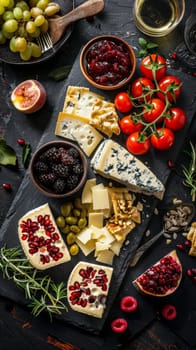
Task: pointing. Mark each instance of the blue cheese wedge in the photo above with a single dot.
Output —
(113, 161)
(41, 240)
(87, 288)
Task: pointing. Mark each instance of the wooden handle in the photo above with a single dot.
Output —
(88, 8)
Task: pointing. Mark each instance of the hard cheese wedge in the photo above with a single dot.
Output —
(41, 239)
(113, 161)
(87, 288)
(80, 101)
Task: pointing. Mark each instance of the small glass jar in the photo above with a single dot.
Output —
(158, 18)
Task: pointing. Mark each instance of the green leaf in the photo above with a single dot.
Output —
(151, 46)
(142, 53)
(26, 151)
(60, 72)
(7, 154)
(142, 42)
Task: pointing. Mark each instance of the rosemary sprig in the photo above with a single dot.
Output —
(190, 172)
(45, 295)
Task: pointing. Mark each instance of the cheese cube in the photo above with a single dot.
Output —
(86, 248)
(87, 196)
(95, 219)
(105, 257)
(100, 199)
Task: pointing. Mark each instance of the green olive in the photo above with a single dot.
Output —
(82, 222)
(65, 229)
(66, 208)
(74, 228)
(74, 249)
(60, 221)
(71, 220)
(76, 212)
(71, 237)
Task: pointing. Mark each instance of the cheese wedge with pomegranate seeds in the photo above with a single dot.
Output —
(41, 240)
(113, 161)
(87, 288)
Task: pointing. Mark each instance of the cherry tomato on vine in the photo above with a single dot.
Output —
(163, 139)
(123, 102)
(155, 107)
(137, 143)
(171, 87)
(175, 119)
(128, 125)
(141, 87)
(153, 63)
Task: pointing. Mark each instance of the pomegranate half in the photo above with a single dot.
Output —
(29, 96)
(161, 279)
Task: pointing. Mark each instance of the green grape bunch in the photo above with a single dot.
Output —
(21, 22)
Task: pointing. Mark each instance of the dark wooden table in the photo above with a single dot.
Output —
(17, 327)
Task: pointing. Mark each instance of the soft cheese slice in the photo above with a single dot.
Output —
(77, 128)
(84, 293)
(80, 101)
(35, 237)
(113, 161)
(66, 123)
(87, 137)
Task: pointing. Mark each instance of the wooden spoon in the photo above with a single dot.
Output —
(58, 25)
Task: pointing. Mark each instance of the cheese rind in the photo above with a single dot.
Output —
(87, 288)
(36, 258)
(113, 161)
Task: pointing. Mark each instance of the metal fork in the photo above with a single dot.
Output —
(44, 41)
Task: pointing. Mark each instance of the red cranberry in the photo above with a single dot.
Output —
(7, 187)
(128, 304)
(21, 142)
(169, 312)
(119, 325)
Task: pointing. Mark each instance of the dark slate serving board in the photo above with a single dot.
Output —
(28, 198)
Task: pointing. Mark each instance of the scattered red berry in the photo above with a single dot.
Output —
(180, 246)
(192, 274)
(174, 55)
(169, 312)
(7, 186)
(128, 304)
(187, 243)
(21, 142)
(119, 325)
(170, 164)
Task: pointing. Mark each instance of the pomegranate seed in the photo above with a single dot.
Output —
(187, 243)
(180, 246)
(7, 187)
(21, 142)
(170, 164)
(189, 273)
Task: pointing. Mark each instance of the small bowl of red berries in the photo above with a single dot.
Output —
(108, 62)
(59, 169)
